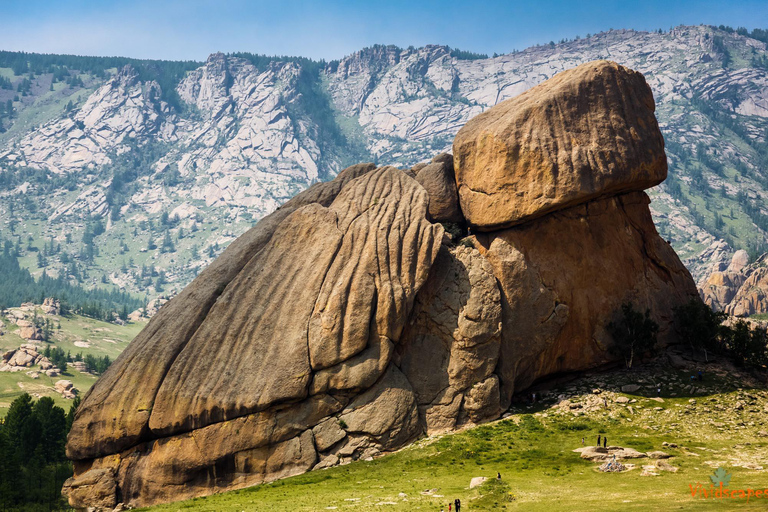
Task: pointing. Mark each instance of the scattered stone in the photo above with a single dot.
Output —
(612, 467)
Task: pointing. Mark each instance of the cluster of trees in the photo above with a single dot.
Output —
(17, 286)
(58, 357)
(634, 334)
(759, 33)
(61, 359)
(166, 73)
(702, 329)
(33, 465)
(465, 55)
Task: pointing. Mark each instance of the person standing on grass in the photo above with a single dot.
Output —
(605, 442)
(457, 502)
(598, 441)
(449, 506)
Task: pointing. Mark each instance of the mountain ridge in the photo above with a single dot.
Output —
(174, 185)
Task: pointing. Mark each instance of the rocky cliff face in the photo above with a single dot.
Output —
(359, 324)
(741, 289)
(247, 134)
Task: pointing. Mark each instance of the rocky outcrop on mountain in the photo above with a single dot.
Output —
(739, 290)
(51, 306)
(358, 326)
(124, 108)
(20, 359)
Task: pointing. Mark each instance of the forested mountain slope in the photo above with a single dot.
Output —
(134, 174)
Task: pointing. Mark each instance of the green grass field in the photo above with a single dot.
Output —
(533, 450)
(77, 334)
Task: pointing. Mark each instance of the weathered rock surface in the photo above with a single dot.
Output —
(456, 326)
(65, 388)
(113, 417)
(438, 179)
(739, 290)
(356, 325)
(752, 296)
(563, 278)
(333, 313)
(588, 132)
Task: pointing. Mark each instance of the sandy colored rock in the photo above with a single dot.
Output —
(327, 433)
(752, 296)
(452, 341)
(439, 181)
(739, 261)
(565, 276)
(720, 288)
(385, 256)
(367, 253)
(94, 488)
(588, 132)
(113, 417)
(65, 388)
(387, 412)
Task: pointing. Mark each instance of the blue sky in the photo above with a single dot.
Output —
(192, 29)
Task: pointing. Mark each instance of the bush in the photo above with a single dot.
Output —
(748, 346)
(699, 326)
(634, 334)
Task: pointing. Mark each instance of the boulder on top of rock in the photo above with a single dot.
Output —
(585, 133)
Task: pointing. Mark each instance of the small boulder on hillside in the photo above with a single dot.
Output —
(66, 389)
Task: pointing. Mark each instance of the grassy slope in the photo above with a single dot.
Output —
(533, 451)
(103, 339)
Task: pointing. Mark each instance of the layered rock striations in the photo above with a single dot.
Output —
(348, 323)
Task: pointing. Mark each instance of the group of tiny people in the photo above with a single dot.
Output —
(602, 438)
(456, 504)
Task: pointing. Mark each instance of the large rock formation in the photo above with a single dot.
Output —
(345, 324)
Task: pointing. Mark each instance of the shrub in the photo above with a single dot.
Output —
(634, 334)
(748, 346)
(699, 326)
